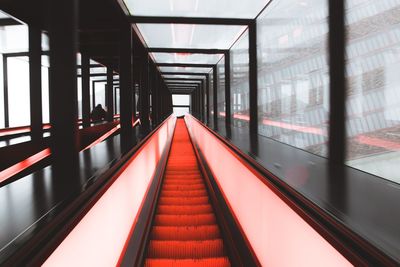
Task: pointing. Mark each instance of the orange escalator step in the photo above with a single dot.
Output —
(205, 262)
(184, 209)
(185, 220)
(185, 233)
(186, 249)
(183, 201)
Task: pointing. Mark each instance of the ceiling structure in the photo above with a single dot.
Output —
(186, 38)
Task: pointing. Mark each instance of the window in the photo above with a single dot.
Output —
(293, 80)
(239, 56)
(373, 97)
(221, 89)
(18, 91)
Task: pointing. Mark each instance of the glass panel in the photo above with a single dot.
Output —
(293, 81)
(2, 125)
(180, 100)
(45, 90)
(186, 58)
(79, 86)
(18, 91)
(221, 89)
(180, 111)
(190, 36)
(185, 69)
(100, 94)
(239, 54)
(196, 8)
(373, 97)
(14, 39)
(211, 99)
(117, 101)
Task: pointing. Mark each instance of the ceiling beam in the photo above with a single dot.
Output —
(9, 22)
(185, 73)
(183, 79)
(190, 20)
(187, 50)
(192, 65)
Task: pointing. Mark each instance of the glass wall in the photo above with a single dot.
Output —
(18, 91)
(293, 81)
(373, 96)
(211, 104)
(239, 56)
(221, 89)
(45, 89)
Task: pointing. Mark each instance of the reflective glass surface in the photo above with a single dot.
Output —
(1, 94)
(221, 89)
(18, 91)
(211, 104)
(373, 96)
(186, 58)
(293, 81)
(196, 8)
(190, 36)
(239, 56)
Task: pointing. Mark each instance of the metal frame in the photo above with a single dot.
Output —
(189, 20)
(187, 50)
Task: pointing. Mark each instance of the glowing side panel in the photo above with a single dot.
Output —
(277, 234)
(99, 238)
(20, 166)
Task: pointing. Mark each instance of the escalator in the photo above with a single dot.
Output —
(185, 230)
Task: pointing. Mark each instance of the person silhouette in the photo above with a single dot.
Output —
(98, 113)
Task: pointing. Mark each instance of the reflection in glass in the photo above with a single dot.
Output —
(239, 56)
(221, 89)
(211, 105)
(373, 96)
(293, 101)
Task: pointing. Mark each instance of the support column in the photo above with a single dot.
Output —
(109, 95)
(63, 91)
(253, 78)
(227, 89)
(337, 93)
(125, 89)
(35, 77)
(85, 70)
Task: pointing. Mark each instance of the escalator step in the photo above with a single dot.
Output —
(185, 220)
(205, 262)
(183, 201)
(186, 249)
(185, 233)
(186, 193)
(184, 209)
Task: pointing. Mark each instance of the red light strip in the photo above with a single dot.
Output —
(103, 137)
(276, 233)
(378, 142)
(20, 166)
(99, 238)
